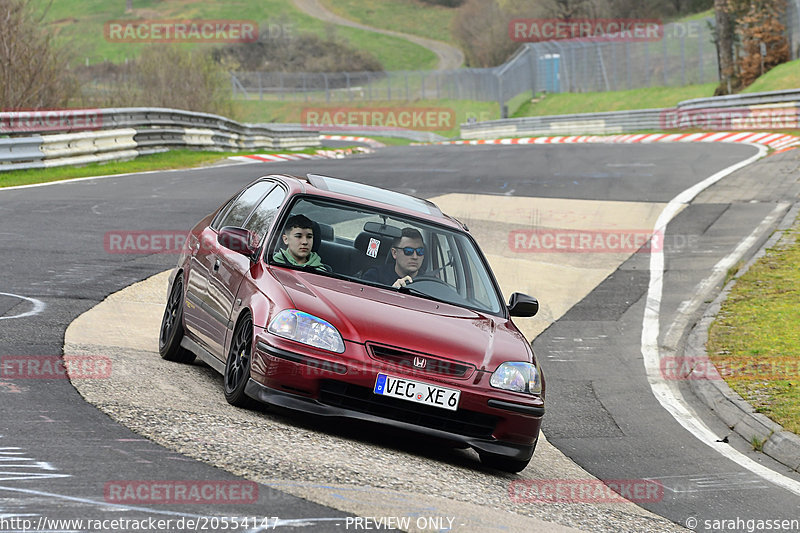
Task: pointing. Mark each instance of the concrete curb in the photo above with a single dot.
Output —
(738, 414)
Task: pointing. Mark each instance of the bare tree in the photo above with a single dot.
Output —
(171, 76)
(33, 71)
(481, 28)
(724, 37)
(763, 38)
(572, 9)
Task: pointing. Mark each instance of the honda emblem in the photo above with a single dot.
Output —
(420, 362)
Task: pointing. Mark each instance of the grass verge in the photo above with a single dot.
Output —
(264, 111)
(755, 337)
(164, 161)
(786, 76)
(406, 16)
(82, 25)
(649, 98)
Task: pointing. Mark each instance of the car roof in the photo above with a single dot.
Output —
(370, 195)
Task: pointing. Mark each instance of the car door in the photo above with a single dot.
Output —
(200, 318)
(229, 267)
(196, 318)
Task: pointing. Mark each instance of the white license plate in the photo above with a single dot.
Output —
(417, 392)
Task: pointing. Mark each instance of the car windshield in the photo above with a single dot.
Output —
(366, 245)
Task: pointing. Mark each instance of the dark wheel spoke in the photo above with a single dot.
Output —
(171, 333)
(237, 365)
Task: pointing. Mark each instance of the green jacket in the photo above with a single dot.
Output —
(314, 260)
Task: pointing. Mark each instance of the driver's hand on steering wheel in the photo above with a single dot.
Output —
(402, 282)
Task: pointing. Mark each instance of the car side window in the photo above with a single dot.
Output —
(265, 213)
(244, 204)
(221, 214)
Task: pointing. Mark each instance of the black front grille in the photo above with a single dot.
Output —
(362, 399)
(406, 359)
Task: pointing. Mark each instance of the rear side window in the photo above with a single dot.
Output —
(261, 219)
(241, 208)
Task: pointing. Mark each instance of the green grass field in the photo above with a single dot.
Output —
(174, 159)
(755, 337)
(656, 97)
(406, 16)
(276, 111)
(786, 76)
(81, 24)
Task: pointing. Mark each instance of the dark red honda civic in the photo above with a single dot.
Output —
(339, 299)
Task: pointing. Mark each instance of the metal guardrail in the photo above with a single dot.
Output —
(26, 149)
(366, 131)
(768, 110)
(39, 139)
(578, 124)
(743, 100)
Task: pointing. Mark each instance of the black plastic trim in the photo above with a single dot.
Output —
(300, 358)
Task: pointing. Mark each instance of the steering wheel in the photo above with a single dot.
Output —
(433, 286)
(429, 278)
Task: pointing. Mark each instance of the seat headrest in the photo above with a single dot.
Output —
(364, 239)
(325, 232)
(317, 231)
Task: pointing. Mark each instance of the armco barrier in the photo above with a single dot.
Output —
(585, 123)
(69, 137)
(774, 109)
(24, 149)
(743, 100)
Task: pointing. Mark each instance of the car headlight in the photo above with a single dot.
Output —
(517, 377)
(308, 329)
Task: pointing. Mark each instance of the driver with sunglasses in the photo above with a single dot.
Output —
(408, 252)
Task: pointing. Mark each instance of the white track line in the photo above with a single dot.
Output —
(668, 396)
(38, 306)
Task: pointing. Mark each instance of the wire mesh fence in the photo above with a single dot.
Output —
(462, 84)
(793, 27)
(684, 54)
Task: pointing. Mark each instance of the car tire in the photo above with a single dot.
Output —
(237, 364)
(171, 332)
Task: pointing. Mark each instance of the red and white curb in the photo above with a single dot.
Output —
(339, 153)
(777, 141)
(350, 138)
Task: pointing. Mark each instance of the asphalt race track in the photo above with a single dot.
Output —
(59, 455)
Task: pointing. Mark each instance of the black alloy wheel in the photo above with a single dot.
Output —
(237, 365)
(171, 334)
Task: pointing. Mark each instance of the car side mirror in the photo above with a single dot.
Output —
(238, 240)
(522, 305)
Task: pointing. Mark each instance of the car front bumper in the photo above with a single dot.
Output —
(329, 387)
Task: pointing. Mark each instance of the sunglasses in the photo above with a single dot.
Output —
(408, 250)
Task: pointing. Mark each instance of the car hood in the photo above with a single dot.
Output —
(364, 313)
